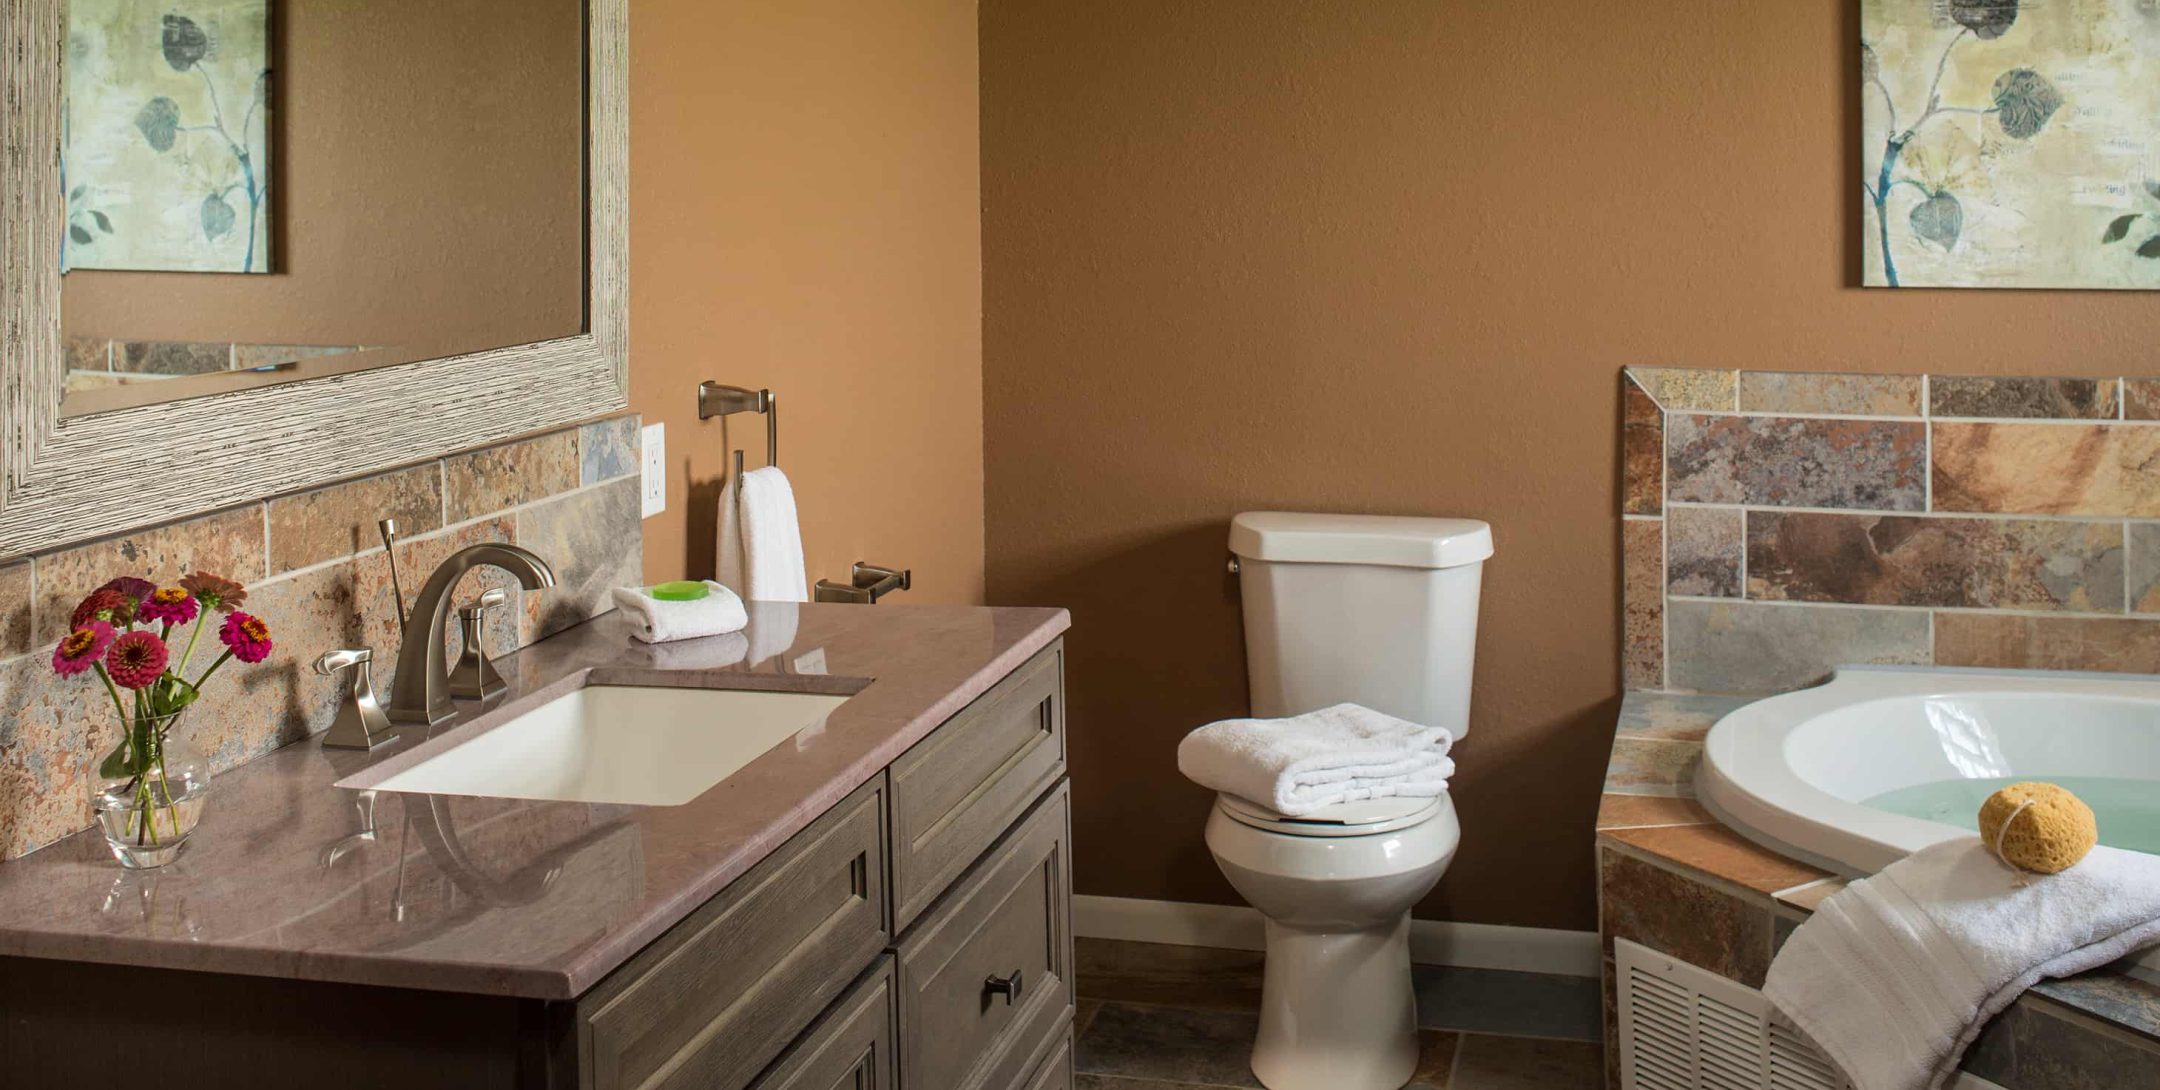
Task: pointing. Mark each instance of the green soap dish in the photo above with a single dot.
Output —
(682, 590)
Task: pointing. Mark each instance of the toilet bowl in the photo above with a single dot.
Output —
(1338, 1011)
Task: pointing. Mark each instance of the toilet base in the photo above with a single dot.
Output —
(1338, 1011)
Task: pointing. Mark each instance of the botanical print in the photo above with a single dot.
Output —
(167, 164)
(2009, 144)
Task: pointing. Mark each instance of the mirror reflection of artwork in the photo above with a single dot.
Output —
(2009, 144)
(167, 165)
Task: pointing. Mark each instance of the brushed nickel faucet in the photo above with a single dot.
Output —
(421, 692)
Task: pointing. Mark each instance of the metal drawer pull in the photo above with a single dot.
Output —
(1008, 986)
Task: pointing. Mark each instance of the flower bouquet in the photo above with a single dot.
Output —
(148, 792)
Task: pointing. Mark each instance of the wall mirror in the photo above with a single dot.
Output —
(251, 246)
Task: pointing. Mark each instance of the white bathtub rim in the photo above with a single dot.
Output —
(1848, 839)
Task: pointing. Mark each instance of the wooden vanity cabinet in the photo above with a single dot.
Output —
(938, 896)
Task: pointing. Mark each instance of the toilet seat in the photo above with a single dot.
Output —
(1368, 817)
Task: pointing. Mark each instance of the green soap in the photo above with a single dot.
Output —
(682, 590)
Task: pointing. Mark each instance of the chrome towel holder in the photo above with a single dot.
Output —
(718, 399)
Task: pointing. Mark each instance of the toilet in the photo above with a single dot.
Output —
(1381, 612)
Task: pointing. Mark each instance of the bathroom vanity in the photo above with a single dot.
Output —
(881, 899)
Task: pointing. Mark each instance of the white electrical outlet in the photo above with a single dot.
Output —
(654, 475)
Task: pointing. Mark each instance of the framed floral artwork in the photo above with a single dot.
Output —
(167, 161)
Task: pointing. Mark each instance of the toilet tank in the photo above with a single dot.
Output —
(1365, 609)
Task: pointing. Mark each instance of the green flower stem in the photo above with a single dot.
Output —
(111, 688)
(213, 668)
(202, 613)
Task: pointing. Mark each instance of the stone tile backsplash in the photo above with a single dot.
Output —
(1780, 524)
(317, 572)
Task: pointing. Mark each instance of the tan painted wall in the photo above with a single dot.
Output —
(426, 190)
(1389, 256)
(804, 195)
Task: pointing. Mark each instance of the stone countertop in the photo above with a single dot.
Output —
(1648, 811)
(290, 876)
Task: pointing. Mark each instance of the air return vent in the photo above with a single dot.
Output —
(1682, 1028)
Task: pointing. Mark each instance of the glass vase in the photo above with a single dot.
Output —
(148, 793)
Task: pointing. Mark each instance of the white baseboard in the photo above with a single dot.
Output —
(1432, 942)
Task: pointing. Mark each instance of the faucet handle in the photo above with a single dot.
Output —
(360, 723)
(331, 662)
(474, 677)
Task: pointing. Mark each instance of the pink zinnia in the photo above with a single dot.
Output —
(136, 660)
(103, 604)
(246, 636)
(168, 605)
(79, 650)
(215, 591)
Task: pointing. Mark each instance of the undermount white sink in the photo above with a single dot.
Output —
(620, 744)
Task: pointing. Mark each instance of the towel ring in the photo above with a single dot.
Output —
(718, 399)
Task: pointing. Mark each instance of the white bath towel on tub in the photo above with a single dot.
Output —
(1895, 975)
(1334, 755)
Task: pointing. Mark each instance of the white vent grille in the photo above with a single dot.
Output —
(1684, 1028)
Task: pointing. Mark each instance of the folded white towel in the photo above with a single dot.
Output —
(760, 541)
(1895, 975)
(1300, 764)
(657, 621)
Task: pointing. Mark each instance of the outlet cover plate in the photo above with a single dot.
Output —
(653, 477)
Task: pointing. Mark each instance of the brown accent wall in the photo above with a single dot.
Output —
(1390, 256)
(426, 189)
(804, 186)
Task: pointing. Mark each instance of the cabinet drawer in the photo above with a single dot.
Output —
(964, 785)
(850, 1047)
(985, 980)
(710, 1003)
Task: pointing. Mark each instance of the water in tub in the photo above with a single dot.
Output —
(2128, 810)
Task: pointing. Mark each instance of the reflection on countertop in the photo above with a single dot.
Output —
(290, 876)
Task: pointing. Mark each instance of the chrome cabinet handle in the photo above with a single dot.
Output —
(1008, 986)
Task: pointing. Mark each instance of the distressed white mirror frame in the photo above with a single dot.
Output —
(67, 480)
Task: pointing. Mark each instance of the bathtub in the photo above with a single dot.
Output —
(1882, 761)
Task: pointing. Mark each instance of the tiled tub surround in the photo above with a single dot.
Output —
(319, 575)
(1776, 525)
(1673, 879)
(502, 897)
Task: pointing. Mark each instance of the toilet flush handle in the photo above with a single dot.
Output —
(1008, 986)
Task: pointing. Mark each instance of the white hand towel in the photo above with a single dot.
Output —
(657, 621)
(1896, 974)
(760, 541)
(1298, 765)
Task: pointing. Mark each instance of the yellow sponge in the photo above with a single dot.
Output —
(2051, 833)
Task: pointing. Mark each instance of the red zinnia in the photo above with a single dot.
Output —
(246, 636)
(135, 587)
(79, 650)
(169, 605)
(103, 604)
(136, 660)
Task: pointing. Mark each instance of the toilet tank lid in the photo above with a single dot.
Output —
(1360, 539)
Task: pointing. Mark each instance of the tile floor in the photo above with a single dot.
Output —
(1181, 1018)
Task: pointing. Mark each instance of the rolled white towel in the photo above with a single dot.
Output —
(656, 621)
(1298, 765)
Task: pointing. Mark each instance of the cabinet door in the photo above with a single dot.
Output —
(958, 790)
(709, 1004)
(985, 978)
(850, 1047)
